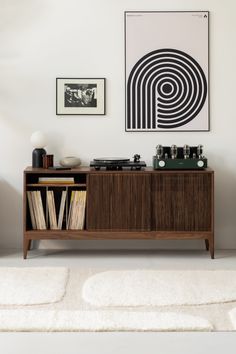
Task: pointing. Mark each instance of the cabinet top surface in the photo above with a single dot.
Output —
(86, 169)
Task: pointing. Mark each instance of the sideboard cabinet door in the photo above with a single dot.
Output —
(182, 201)
(119, 201)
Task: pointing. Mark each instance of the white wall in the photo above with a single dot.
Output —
(44, 39)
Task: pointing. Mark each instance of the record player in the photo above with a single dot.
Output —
(173, 157)
(118, 163)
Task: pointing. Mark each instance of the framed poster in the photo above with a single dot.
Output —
(166, 71)
(80, 96)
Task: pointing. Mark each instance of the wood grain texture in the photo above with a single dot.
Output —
(113, 235)
(132, 205)
(86, 170)
(182, 202)
(118, 202)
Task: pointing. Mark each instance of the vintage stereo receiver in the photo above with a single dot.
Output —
(174, 157)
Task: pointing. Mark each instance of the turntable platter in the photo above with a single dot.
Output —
(111, 160)
(116, 163)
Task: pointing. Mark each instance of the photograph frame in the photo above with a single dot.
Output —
(80, 96)
(207, 126)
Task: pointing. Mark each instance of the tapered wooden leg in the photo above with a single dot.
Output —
(211, 247)
(207, 244)
(29, 247)
(26, 247)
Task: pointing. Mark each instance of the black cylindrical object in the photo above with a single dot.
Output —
(37, 157)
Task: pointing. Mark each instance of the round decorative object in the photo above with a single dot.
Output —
(200, 163)
(38, 140)
(70, 161)
(162, 163)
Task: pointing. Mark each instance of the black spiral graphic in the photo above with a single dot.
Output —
(166, 89)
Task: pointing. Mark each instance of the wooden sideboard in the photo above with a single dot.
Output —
(147, 204)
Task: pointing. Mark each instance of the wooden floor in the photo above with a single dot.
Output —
(125, 343)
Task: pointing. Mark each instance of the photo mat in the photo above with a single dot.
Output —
(80, 96)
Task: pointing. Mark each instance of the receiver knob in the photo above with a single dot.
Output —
(200, 163)
(162, 163)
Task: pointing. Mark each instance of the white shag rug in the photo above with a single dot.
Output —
(159, 288)
(32, 286)
(58, 321)
(53, 299)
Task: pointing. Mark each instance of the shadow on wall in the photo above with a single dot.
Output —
(10, 216)
(122, 245)
(225, 207)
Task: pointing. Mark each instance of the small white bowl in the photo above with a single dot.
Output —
(70, 161)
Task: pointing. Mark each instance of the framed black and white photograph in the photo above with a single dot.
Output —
(166, 70)
(80, 96)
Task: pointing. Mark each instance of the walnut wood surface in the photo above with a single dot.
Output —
(144, 204)
(56, 185)
(182, 202)
(87, 170)
(118, 202)
(113, 235)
